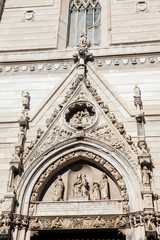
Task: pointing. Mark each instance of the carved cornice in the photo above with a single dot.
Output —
(36, 67)
(127, 61)
(107, 62)
(137, 219)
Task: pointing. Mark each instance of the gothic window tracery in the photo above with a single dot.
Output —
(85, 16)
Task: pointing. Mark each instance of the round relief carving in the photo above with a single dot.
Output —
(80, 114)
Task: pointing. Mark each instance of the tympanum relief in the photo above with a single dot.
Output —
(81, 182)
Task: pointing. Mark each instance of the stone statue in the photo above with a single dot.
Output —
(85, 186)
(21, 136)
(104, 187)
(137, 97)
(137, 91)
(83, 40)
(59, 189)
(39, 132)
(146, 176)
(77, 186)
(142, 147)
(96, 194)
(26, 99)
(81, 186)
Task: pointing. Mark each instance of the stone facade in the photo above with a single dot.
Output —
(79, 126)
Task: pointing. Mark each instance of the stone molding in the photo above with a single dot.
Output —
(57, 66)
(132, 220)
(36, 67)
(126, 61)
(88, 222)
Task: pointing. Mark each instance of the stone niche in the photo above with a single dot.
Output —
(80, 181)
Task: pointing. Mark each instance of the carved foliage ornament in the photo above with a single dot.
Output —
(14, 221)
(87, 155)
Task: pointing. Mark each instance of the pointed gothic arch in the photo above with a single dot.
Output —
(69, 149)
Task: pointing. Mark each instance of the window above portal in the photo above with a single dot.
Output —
(85, 16)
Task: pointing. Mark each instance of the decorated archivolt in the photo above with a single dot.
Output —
(80, 186)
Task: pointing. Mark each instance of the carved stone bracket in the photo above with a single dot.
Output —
(145, 160)
(147, 195)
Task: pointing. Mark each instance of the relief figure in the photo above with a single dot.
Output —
(104, 187)
(96, 194)
(81, 186)
(59, 189)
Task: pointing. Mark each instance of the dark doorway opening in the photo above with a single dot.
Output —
(107, 234)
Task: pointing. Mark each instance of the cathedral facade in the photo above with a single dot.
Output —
(79, 120)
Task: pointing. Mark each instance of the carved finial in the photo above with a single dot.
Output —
(83, 55)
(137, 97)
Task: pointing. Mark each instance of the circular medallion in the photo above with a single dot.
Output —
(80, 115)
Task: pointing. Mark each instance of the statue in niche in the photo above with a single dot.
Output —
(96, 194)
(81, 186)
(59, 189)
(146, 176)
(104, 187)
